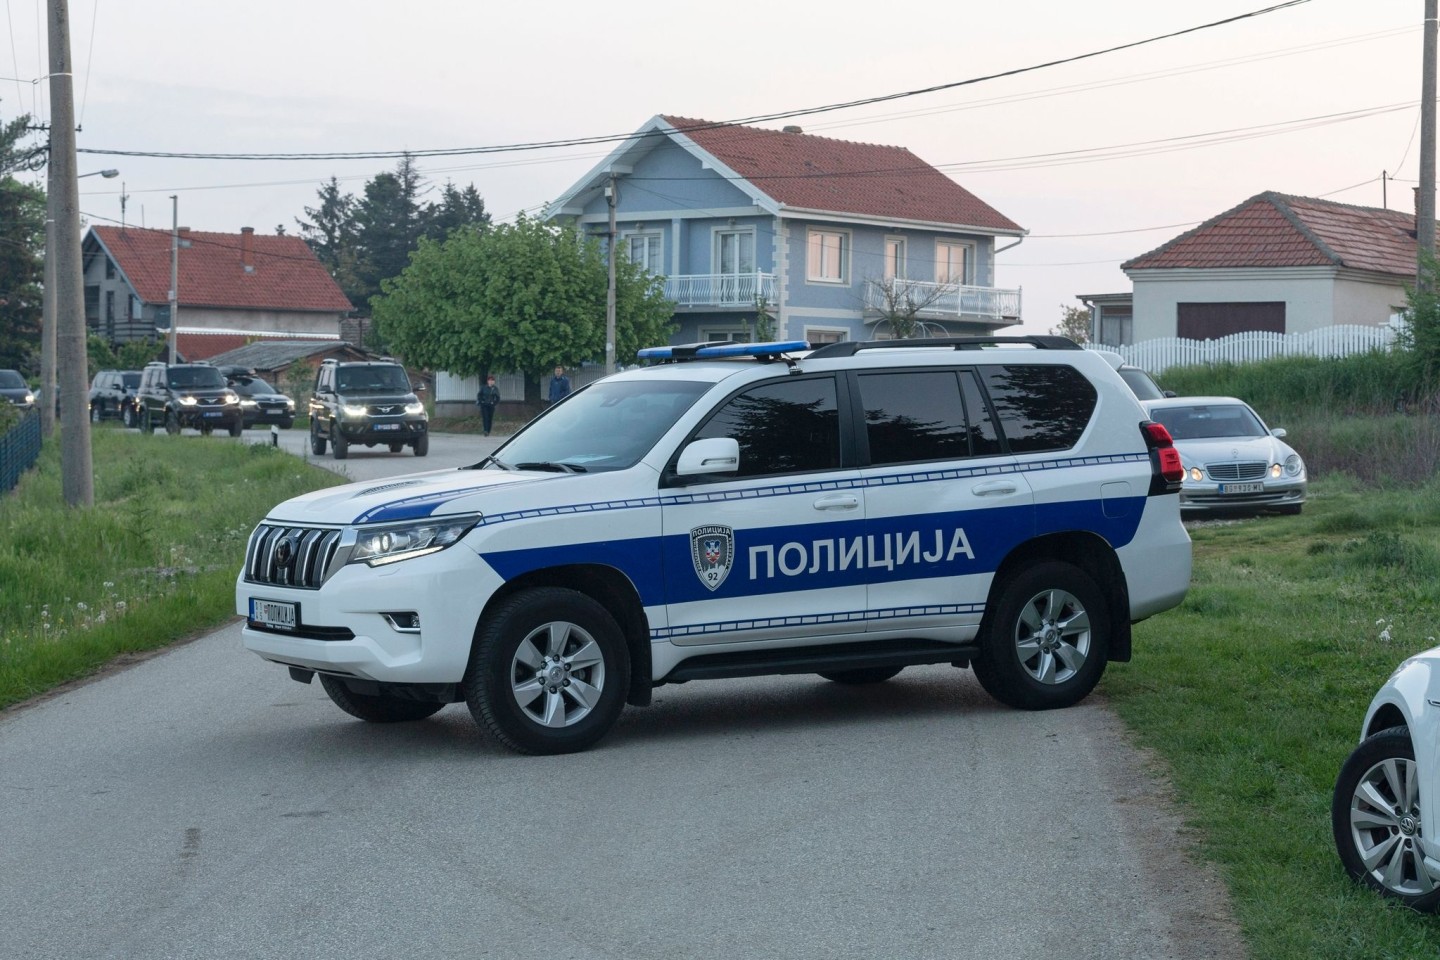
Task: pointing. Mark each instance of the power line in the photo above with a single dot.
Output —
(758, 118)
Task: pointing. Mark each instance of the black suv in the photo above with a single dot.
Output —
(187, 395)
(14, 389)
(369, 402)
(259, 401)
(112, 394)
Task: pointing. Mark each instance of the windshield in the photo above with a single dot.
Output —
(251, 386)
(1207, 421)
(183, 378)
(131, 380)
(387, 378)
(1140, 383)
(607, 426)
(10, 380)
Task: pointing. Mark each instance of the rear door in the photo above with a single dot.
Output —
(769, 551)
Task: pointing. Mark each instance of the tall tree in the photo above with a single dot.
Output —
(22, 242)
(457, 208)
(523, 296)
(330, 233)
(389, 223)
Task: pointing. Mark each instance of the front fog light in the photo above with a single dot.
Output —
(1196, 475)
(402, 541)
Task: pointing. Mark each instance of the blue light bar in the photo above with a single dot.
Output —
(716, 351)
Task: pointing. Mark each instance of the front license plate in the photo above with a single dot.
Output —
(1242, 488)
(213, 413)
(273, 613)
(387, 426)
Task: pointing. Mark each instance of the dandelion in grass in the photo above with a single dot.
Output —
(108, 584)
(119, 606)
(82, 606)
(1385, 633)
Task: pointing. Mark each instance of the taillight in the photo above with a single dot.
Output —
(1157, 438)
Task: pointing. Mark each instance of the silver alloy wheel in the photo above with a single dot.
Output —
(1052, 636)
(1385, 827)
(557, 674)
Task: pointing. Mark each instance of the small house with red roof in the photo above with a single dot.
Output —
(233, 289)
(827, 236)
(1276, 263)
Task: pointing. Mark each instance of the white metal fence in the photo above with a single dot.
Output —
(1160, 355)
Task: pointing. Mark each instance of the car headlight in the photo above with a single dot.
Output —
(29, 398)
(247, 402)
(1294, 465)
(394, 542)
(413, 408)
(188, 401)
(289, 404)
(231, 398)
(1196, 474)
(350, 410)
(1274, 469)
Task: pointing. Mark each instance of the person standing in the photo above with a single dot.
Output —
(487, 399)
(559, 386)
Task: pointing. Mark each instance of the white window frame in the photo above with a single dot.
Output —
(815, 243)
(656, 237)
(842, 332)
(967, 274)
(721, 334)
(715, 243)
(895, 266)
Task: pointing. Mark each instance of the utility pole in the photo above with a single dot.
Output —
(174, 276)
(76, 464)
(611, 199)
(1425, 201)
(48, 386)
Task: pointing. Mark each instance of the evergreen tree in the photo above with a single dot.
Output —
(457, 208)
(22, 242)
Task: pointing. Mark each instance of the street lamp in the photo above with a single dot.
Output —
(49, 388)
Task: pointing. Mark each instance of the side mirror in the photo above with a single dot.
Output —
(712, 455)
(418, 387)
(1278, 433)
(1167, 394)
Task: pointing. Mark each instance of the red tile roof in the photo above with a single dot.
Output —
(287, 276)
(1277, 230)
(839, 176)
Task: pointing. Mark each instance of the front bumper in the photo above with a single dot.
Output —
(343, 628)
(384, 430)
(1211, 497)
(200, 417)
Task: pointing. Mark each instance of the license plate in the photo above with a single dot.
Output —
(273, 613)
(1242, 488)
(213, 413)
(387, 426)
(273, 409)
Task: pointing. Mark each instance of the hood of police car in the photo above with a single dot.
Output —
(422, 495)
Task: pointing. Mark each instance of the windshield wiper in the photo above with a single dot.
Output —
(490, 459)
(553, 466)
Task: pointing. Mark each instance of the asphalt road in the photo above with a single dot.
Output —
(201, 804)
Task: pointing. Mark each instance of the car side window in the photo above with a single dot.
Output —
(785, 426)
(914, 416)
(1041, 407)
(984, 436)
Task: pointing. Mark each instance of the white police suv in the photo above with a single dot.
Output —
(734, 510)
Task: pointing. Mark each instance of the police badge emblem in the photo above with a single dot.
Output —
(713, 550)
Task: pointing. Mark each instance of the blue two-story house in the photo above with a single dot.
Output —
(832, 240)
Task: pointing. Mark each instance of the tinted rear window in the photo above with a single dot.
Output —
(914, 416)
(1040, 407)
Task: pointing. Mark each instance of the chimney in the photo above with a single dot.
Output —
(792, 128)
(247, 249)
(184, 237)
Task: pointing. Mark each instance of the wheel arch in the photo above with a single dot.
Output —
(611, 589)
(1092, 555)
(1386, 717)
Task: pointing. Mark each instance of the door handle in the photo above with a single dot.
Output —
(838, 501)
(994, 488)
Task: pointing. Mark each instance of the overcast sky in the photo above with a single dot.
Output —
(374, 75)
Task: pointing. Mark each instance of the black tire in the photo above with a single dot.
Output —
(237, 428)
(172, 422)
(97, 412)
(317, 442)
(1047, 640)
(396, 447)
(373, 708)
(127, 416)
(286, 424)
(341, 445)
(422, 444)
(1291, 510)
(548, 652)
(861, 675)
(1392, 832)
(147, 424)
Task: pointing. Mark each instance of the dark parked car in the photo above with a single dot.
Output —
(369, 402)
(260, 402)
(14, 389)
(187, 395)
(112, 395)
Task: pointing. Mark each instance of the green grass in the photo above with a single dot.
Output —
(1254, 690)
(152, 562)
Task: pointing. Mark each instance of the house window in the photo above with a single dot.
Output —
(644, 249)
(952, 262)
(894, 258)
(818, 336)
(1115, 327)
(134, 311)
(735, 266)
(827, 255)
(109, 269)
(92, 305)
(1211, 321)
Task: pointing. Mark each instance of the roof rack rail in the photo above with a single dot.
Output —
(717, 350)
(848, 348)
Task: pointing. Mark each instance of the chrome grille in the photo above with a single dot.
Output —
(304, 561)
(1244, 470)
(386, 409)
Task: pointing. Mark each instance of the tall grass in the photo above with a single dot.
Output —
(154, 560)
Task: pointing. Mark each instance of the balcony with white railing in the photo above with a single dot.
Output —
(720, 291)
(943, 301)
